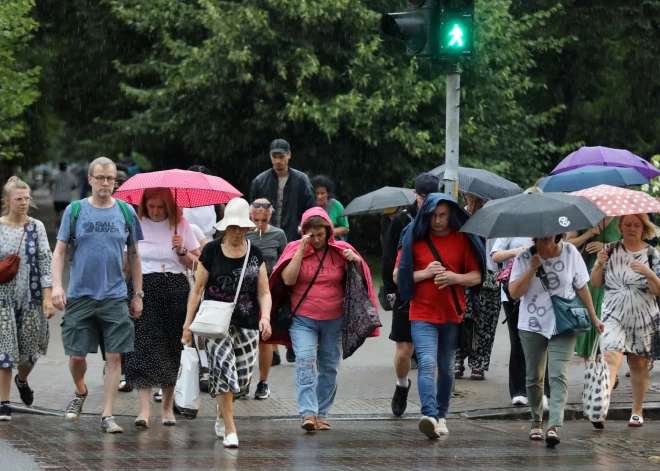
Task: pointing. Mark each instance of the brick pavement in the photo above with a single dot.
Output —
(351, 445)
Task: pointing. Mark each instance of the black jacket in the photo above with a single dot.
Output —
(298, 197)
(391, 244)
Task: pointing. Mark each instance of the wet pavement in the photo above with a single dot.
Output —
(351, 445)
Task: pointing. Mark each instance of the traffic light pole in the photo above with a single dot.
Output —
(453, 112)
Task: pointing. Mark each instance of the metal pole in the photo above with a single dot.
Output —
(453, 112)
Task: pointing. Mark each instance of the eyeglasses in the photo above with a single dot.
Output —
(101, 179)
(22, 199)
(261, 205)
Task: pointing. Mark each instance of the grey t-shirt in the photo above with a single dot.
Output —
(64, 184)
(271, 243)
(97, 267)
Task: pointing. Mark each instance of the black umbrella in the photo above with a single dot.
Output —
(481, 183)
(533, 215)
(379, 200)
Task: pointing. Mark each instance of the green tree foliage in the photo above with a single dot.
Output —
(609, 78)
(224, 78)
(18, 80)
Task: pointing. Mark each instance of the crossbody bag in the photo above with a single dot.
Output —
(285, 314)
(10, 265)
(214, 317)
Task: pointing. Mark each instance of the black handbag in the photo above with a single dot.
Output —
(467, 337)
(285, 314)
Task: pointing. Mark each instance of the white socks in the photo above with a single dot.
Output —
(203, 359)
(402, 382)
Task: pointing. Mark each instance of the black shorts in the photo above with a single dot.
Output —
(401, 322)
(60, 206)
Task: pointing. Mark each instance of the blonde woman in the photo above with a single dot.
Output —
(168, 248)
(272, 242)
(629, 270)
(25, 301)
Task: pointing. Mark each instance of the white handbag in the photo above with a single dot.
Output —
(187, 398)
(596, 393)
(213, 317)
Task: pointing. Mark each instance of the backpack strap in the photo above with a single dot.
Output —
(129, 226)
(73, 219)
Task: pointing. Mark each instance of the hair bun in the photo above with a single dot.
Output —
(13, 179)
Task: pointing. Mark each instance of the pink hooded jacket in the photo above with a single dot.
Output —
(279, 290)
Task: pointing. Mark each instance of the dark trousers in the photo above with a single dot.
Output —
(517, 369)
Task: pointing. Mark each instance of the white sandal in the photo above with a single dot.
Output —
(231, 441)
(636, 421)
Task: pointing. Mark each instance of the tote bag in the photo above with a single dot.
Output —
(596, 392)
(213, 317)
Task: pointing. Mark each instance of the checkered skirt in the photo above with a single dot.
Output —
(231, 360)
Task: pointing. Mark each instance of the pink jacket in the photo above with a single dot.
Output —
(279, 290)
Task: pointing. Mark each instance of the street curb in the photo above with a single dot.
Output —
(617, 411)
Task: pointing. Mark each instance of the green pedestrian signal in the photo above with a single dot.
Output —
(455, 37)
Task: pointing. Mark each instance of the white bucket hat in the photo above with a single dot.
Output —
(237, 213)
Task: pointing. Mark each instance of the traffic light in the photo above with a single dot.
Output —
(412, 26)
(455, 30)
(436, 29)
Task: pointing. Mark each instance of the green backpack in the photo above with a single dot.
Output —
(73, 219)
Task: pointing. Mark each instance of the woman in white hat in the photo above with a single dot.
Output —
(231, 359)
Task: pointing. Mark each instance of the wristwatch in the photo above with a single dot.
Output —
(139, 293)
(185, 252)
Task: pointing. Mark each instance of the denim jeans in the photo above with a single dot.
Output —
(317, 345)
(435, 345)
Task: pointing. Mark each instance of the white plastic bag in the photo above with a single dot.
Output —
(187, 398)
(596, 392)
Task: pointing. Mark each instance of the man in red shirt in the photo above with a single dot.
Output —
(438, 302)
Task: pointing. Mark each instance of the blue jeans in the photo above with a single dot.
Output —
(435, 344)
(318, 351)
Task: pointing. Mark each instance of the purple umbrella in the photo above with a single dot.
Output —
(606, 157)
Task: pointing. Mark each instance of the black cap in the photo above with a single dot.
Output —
(427, 183)
(279, 146)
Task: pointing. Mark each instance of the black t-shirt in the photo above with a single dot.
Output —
(224, 275)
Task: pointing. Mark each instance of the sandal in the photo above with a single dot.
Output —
(636, 421)
(616, 383)
(477, 374)
(458, 370)
(551, 437)
(598, 425)
(322, 424)
(536, 435)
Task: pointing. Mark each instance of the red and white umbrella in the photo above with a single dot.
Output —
(189, 189)
(615, 201)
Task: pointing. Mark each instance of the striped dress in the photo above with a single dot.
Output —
(629, 310)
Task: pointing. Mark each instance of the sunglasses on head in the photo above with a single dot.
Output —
(261, 205)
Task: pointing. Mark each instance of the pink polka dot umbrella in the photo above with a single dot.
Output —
(615, 201)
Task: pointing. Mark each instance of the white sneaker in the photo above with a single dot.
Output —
(546, 407)
(220, 427)
(429, 427)
(231, 441)
(520, 401)
(442, 427)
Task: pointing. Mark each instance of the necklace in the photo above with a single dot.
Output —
(159, 244)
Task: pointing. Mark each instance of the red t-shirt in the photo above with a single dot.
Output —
(431, 304)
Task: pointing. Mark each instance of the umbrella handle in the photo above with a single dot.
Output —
(176, 211)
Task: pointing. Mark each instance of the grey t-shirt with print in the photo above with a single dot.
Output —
(281, 183)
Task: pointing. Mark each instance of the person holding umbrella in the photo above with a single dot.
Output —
(168, 248)
(567, 277)
(591, 242)
(484, 310)
(629, 271)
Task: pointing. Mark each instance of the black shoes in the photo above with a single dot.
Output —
(204, 379)
(290, 355)
(27, 394)
(5, 412)
(400, 399)
(263, 391)
(276, 359)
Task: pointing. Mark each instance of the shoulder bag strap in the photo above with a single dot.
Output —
(245, 262)
(436, 255)
(318, 270)
(25, 228)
